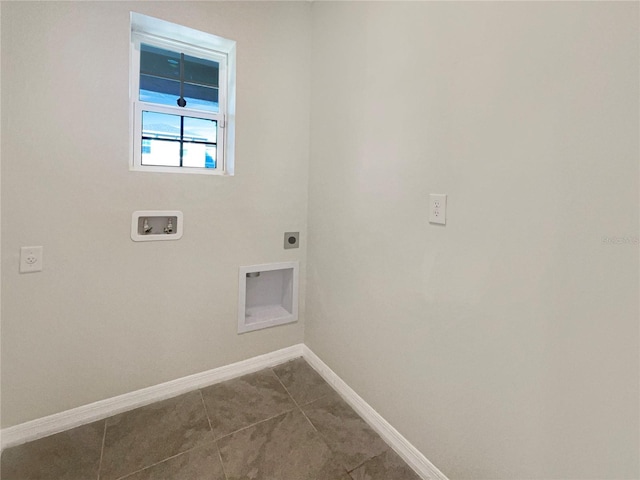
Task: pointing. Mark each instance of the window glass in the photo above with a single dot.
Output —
(199, 130)
(203, 153)
(159, 62)
(161, 153)
(201, 98)
(160, 79)
(160, 125)
(201, 71)
(159, 90)
(182, 99)
(199, 155)
(174, 140)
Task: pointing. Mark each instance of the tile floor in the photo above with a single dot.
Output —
(282, 423)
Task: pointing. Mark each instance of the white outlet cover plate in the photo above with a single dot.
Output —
(438, 208)
(31, 259)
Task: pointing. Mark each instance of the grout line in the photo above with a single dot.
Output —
(304, 405)
(224, 470)
(104, 437)
(205, 444)
(285, 388)
(258, 422)
(313, 426)
(323, 439)
(319, 398)
(149, 466)
(206, 412)
(254, 424)
(308, 420)
(152, 465)
(363, 462)
(294, 401)
(320, 435)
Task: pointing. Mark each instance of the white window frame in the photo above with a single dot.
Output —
(177, 38)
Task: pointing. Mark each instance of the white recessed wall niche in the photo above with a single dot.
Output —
(267, 296)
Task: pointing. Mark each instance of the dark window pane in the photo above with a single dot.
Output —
(201, 98)
(159, 90)
(201, 71)
(166, 92)
(159, 62)
(160, 79)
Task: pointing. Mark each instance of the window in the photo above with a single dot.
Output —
(182, 99)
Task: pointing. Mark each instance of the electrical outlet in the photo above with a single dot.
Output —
(438, 208)
(291, 239)
(30, 259)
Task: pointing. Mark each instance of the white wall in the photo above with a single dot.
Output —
(107, 315)
(505, 344)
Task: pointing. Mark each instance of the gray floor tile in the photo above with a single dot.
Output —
(201, 463)
(351, 439)
(302, 382)
(150, 434)
(70, 455)
(387, 466)
(261, 435)
(283, 448)
(243, 401)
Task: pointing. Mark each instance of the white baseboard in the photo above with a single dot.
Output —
(42, 427)
(410, 454)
